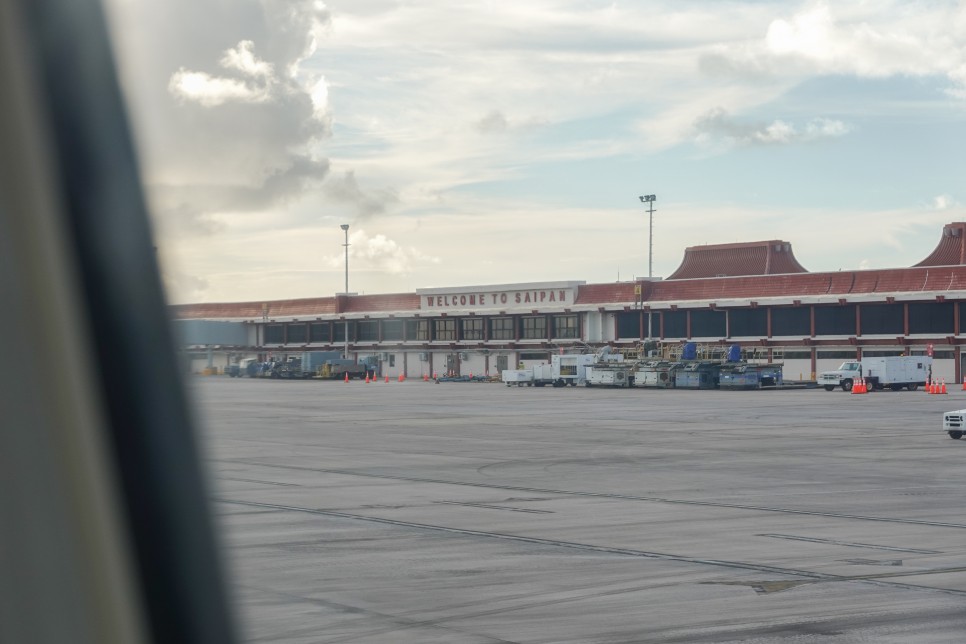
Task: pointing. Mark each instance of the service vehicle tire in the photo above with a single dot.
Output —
(955, 435)
(895, 387)
(912, 387)
(846, 385)
(829, 387)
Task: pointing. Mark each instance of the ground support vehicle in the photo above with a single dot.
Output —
(248, 367)
(518, 377)
(570, 368)
(744, 375)
(312, 361)
(698, 375)
(954, 423)
(894, 372)
(543, 375)
(656, 374)
(337, 369)
(617, 374)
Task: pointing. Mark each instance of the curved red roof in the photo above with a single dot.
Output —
(708, 273)
(951, 250)
(771, 257)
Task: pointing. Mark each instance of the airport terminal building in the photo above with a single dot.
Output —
(752, 294)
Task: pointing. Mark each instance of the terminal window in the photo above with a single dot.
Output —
(472, 328)
(565, 326)
(445, 329)
(274, 334)
(417, 330)
(501, 329)
(320, 332)
(296, 333)
(368, 331)
(340, 332)
(392, 330)
(533, 328)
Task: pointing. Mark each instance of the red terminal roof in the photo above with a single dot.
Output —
(713, 272)
(729, 260)
(951, 250)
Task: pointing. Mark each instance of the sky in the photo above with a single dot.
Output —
(480, 142)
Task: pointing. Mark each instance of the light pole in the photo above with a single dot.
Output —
(649, 200)
(345, 229)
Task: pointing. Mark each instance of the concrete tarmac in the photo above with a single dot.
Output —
(479, 513)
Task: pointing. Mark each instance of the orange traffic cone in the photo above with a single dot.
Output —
(387, 377)
(426, 379)
(347, 376)
(402, 377)
(367, 377)
(964, 384)
(927, 386)
(857, 386)
(942, 387)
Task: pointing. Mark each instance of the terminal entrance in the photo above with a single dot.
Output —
(453, 364)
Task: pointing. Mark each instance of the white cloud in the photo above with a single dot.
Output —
(211, 91)
(872, 40)
(380, 253)
(242, 58)
(345, 189)
(717, 128)
(943, 202)
(227, 124)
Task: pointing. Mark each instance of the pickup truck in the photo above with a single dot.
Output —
(954, 423)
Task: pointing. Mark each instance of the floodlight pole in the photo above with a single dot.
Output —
(345, 229)
(649, 200)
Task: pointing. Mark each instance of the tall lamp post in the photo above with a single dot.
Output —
(345, 229)
(649, 200)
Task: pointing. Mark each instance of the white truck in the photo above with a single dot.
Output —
(571, 368)
(894, 372)
(954, 423)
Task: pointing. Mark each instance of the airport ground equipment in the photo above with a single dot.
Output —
(894, 372)
(338, 368)
(564, 369)
(698, 375)
(542, 375)
(745, 375)
(954, 423)
(518, 377)
(611, 374)
(313, 360)
(570, 368)
(656, 374)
